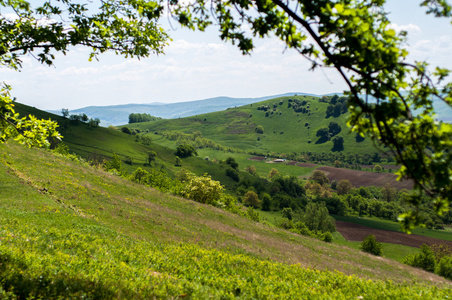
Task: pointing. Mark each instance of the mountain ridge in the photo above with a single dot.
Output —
(119, 114)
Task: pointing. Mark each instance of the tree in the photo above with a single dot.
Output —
(338, 144)
(259, 129)
(343, 187)
(355, 38)
(231, 161)
(273, 172)
(370, 245)
(93, 123)
(251, 169)
(29, 131)
(316, 218)
(233, 174)
(185, 150)
(150, 157)
(127, 27)
(378, 169)
(203, 189)
(334, 128)
(266, 201)
(319, 177)
(251, 199)
(65, 112)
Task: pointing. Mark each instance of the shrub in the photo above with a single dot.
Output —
(287, 212)
(233, 174)
(185, 150)
(266, 202)
(203, 189)
(252, 214)
(424, 260)
(126, 130)
(327, 237)
(139, 175)
(370, 245)
(259, 129)
(251, 199)
(445, 267)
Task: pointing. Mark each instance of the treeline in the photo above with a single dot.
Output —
(196, 140)
(92, 123)
(136, 118)
(341, 198)
(345, 160)
(337, 106)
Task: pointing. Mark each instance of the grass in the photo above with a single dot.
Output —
(392, 251)
(57, 215)
(284, 133)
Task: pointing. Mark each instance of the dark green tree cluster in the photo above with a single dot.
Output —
(185, 150)
(137, 117)
(277, 193)
(337, 106)
(325, 134)
(299, 106)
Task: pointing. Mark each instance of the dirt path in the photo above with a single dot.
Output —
(356, 232)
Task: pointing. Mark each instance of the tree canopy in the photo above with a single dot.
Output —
(42, 28)
(354, 37)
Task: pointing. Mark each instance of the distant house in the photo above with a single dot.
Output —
(279, 160)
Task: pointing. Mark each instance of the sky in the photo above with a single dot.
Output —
(199, 65)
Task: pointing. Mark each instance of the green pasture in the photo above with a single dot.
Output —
(285, 131)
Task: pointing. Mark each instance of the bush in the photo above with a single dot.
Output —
(203, 189)
(327, 237)
(126, 130)
(445, 267)
(252, 214)
(370, 245)
(233, 174)
(185, 150)
(251, 199)
(424, 260)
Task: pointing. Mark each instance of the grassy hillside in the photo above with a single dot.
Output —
(119, 114)
(72, 230)
(285, 131)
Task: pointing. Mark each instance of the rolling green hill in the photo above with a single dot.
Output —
(284, 130)
(72, 230)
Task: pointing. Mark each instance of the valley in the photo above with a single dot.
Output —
(98, 197)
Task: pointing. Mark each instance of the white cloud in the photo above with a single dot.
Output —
(410, 28)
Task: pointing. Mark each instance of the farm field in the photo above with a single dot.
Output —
(377, 223)
(363, 178)
(356, 232)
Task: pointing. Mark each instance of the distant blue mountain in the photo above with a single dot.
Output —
(119, 114)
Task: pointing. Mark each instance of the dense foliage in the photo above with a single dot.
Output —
(355, 38)
(371, 245)
(137, 117)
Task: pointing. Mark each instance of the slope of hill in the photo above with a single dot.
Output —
(71, 230)
(119, 114)
(284, 130)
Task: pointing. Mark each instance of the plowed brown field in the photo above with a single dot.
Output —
(356, 232)
(362, 178)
